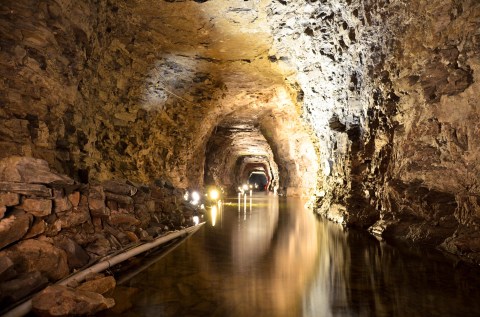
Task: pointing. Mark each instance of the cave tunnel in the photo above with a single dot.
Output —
(259, 179)
(111, 111)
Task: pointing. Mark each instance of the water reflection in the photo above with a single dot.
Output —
(271, 257)
(213, 215)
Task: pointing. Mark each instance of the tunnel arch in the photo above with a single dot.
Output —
(271, 134)
(246, 164)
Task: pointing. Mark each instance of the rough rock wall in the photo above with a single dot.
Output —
(334, 50)
(78, 77)
(132, 89)
(432, 186)
(51, 225)
(389, 88)
(48, 53)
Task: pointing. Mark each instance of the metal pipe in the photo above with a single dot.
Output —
(26, 306)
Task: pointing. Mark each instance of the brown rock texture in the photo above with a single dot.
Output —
(101, 285)
(27, 170)
(45, 238)
(13, 228)
(368, 106)
(77, 257)
(9, 199)
(15, 289)
(60, 300)
(34, 255)
(37, 207)
(7, 271)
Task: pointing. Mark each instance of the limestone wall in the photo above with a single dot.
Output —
(389, 88)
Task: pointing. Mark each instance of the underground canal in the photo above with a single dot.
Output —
(355, 122)
(272, 257)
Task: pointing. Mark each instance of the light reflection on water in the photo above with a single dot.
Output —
(275, 258)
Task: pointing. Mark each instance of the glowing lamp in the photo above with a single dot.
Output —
(195, 196)
(214, 194)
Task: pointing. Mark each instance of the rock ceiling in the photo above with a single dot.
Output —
(371, 105)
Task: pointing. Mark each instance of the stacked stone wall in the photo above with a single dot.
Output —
(51, 226)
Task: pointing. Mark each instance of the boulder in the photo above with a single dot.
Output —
(3, 210)
(119, 235)
(58, 300)
(132, 236)
(20, 169)
(26, 189)
(33, 255)
(97, 224)
(14, 227)
(39, 226)
(73, 218)
(9, 199)
(113, 205)
(77, 257)
(37, 207)
(53, 229)
(144, 235)
(7, 271)
(127, 200)
(144, 216)
(100, 247)
(101, 285)
(74, 198)
(123, 220)
(60, 201)
(14, 290)
(119, 188)
(96, 202)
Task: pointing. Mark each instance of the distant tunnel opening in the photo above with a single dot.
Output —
(234, 152)
(262, 137)
(258, 180)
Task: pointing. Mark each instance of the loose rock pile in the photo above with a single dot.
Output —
(50, 225)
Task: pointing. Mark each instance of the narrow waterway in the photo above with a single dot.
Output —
(275, 258)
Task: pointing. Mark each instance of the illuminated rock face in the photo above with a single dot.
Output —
(371, 105)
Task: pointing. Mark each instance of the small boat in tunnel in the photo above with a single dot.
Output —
(274, 257)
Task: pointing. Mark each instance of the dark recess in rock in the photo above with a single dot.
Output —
(335, 124)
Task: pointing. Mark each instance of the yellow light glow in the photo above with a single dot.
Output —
(214, 194)
(245, 187)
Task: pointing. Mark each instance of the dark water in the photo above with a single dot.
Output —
(277, 259)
